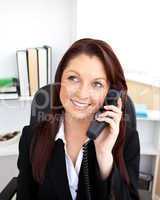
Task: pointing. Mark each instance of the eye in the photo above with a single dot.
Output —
(73, 78)
(98, 84)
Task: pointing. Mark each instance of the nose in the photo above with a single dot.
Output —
(83, 91)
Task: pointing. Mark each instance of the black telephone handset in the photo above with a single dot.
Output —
(96, 127)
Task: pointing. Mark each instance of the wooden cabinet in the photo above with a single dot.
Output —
(149, 130)
(156, 188)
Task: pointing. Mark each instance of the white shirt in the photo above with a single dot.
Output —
(72, 172)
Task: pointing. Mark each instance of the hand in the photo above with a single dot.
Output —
(104, 143)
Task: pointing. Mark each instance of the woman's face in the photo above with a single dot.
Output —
(83, 86)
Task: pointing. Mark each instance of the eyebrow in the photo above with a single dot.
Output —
(79, 75)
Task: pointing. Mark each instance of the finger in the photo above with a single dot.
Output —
(119, 103)
(111, 114)
(113, 108)
(107, 113)
(109, 120)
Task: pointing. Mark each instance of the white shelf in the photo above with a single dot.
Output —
(29, 98)
(148, 119)
(11, 149)
(149, 150)
(153, 115)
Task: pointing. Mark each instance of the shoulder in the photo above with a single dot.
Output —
(132, 143)
(131, 135)
(27, 132)
(26, 135)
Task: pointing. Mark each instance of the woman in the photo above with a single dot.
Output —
(52, 156)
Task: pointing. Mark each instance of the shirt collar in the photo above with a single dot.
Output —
(60, 134)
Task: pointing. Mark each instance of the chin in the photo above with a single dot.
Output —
(80, 115)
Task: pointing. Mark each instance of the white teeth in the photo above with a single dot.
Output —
(82, 105)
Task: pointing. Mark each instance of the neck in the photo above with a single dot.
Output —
(76, 128)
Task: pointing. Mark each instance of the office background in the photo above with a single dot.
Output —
(131, 27)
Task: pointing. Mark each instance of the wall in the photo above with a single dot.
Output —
(31, 24)
(130, 27)
(27, 24)
(34, 23)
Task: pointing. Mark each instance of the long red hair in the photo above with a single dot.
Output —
(43, 141)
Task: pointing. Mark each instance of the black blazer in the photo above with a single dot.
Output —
(55, 185)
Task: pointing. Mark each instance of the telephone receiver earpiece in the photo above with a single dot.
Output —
(96, 127)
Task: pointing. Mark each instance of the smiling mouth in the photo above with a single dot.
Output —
(80, 105)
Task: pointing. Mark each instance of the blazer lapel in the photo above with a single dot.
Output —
(57, 171)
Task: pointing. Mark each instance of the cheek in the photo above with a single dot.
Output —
(97, 102)
(66, 92)
(99, 98)
(70, 89)
(63, 94)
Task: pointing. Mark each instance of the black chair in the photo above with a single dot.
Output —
(40, 110)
